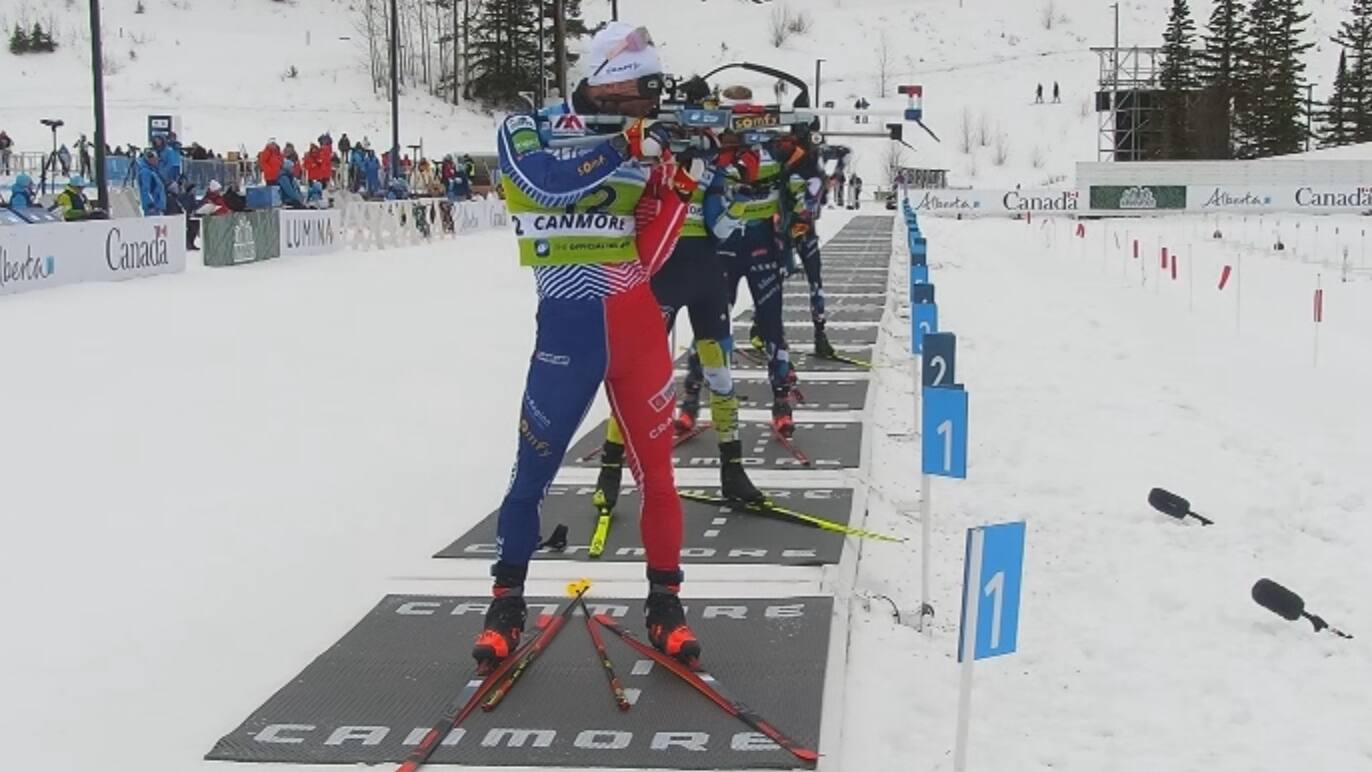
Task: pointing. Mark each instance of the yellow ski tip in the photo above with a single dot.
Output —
(578, 587)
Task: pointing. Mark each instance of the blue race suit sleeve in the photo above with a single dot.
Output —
(547, 177)
(714, 201)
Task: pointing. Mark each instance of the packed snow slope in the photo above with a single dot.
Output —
(222, 66)
(1091, 380)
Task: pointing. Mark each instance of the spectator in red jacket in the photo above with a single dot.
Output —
(213, 203)
(316, 165)
(269, 160)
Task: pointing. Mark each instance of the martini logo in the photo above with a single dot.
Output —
(138, 254)
(14, 270)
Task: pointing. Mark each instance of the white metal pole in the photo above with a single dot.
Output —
(1191, 275)
(926, 529)
(1316, 360)
(1238, 292)
(971, 601)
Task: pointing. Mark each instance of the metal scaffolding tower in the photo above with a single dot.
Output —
(1127, 102)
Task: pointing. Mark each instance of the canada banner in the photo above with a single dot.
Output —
(49, 255)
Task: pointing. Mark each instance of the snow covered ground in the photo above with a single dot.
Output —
(211, 476)
(1090, 383)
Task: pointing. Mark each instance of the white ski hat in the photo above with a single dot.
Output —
(621, 52)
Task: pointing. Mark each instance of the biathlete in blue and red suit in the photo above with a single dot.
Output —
(595, 222)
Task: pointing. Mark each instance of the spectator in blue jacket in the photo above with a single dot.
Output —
(373, 172)
(151, 189)
(291, 197)
(168, 158)
(21, 193)
(315, 197)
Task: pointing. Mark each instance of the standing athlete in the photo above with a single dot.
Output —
(802, 204)
(694, 279)
(594, 223)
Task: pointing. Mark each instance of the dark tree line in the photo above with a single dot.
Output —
(1242, 92)
(487, 51)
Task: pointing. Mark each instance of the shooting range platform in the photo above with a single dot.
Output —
(713, 534)
(829, 444)
(372, 696)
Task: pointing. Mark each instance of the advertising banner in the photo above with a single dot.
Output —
(1307, 198)
(41, 256)
(996, 203)
(241, 237)
(309, 232)
(1138, 197)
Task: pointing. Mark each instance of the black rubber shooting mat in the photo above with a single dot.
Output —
(808, 395)
(832, 312)
(829, 444)
(804, 332)
(806, 362)
(372, 696)
(711, 535)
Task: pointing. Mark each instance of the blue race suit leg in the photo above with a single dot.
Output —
(567, 368)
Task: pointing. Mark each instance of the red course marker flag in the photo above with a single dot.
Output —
(1174, 267)
(1319, 306)
(1224, 275)
(1081, 230)
(1164, 258)
(1136, 249)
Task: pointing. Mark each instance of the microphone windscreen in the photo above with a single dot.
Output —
(1277, 599)
(1169, 503)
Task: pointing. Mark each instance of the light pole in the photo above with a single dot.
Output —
(818, 64)
(395, 90)
(98, 77)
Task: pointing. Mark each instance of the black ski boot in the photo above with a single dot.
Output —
(823, 348)
(666, 619)
(504, 619)
(782, 423)
(611, 472)
(734, 484)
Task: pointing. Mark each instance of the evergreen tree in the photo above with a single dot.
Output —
(1270, 120)
(504, 53)
(1218, 68)
(1337, 124)
(1178, 80)
(1355, 35)
(40, 40)
(19, 41)
(575, 27)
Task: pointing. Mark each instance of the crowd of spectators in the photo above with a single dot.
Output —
(158, 172)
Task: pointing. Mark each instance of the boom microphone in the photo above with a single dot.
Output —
(1288, 605)
(1171, 504)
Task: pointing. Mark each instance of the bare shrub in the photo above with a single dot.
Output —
(1001, 153)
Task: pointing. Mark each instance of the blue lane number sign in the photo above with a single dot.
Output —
(991, 581)
(939, 362)
(919, 274)
(945, 432)
(921, 293)
(923, 320)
